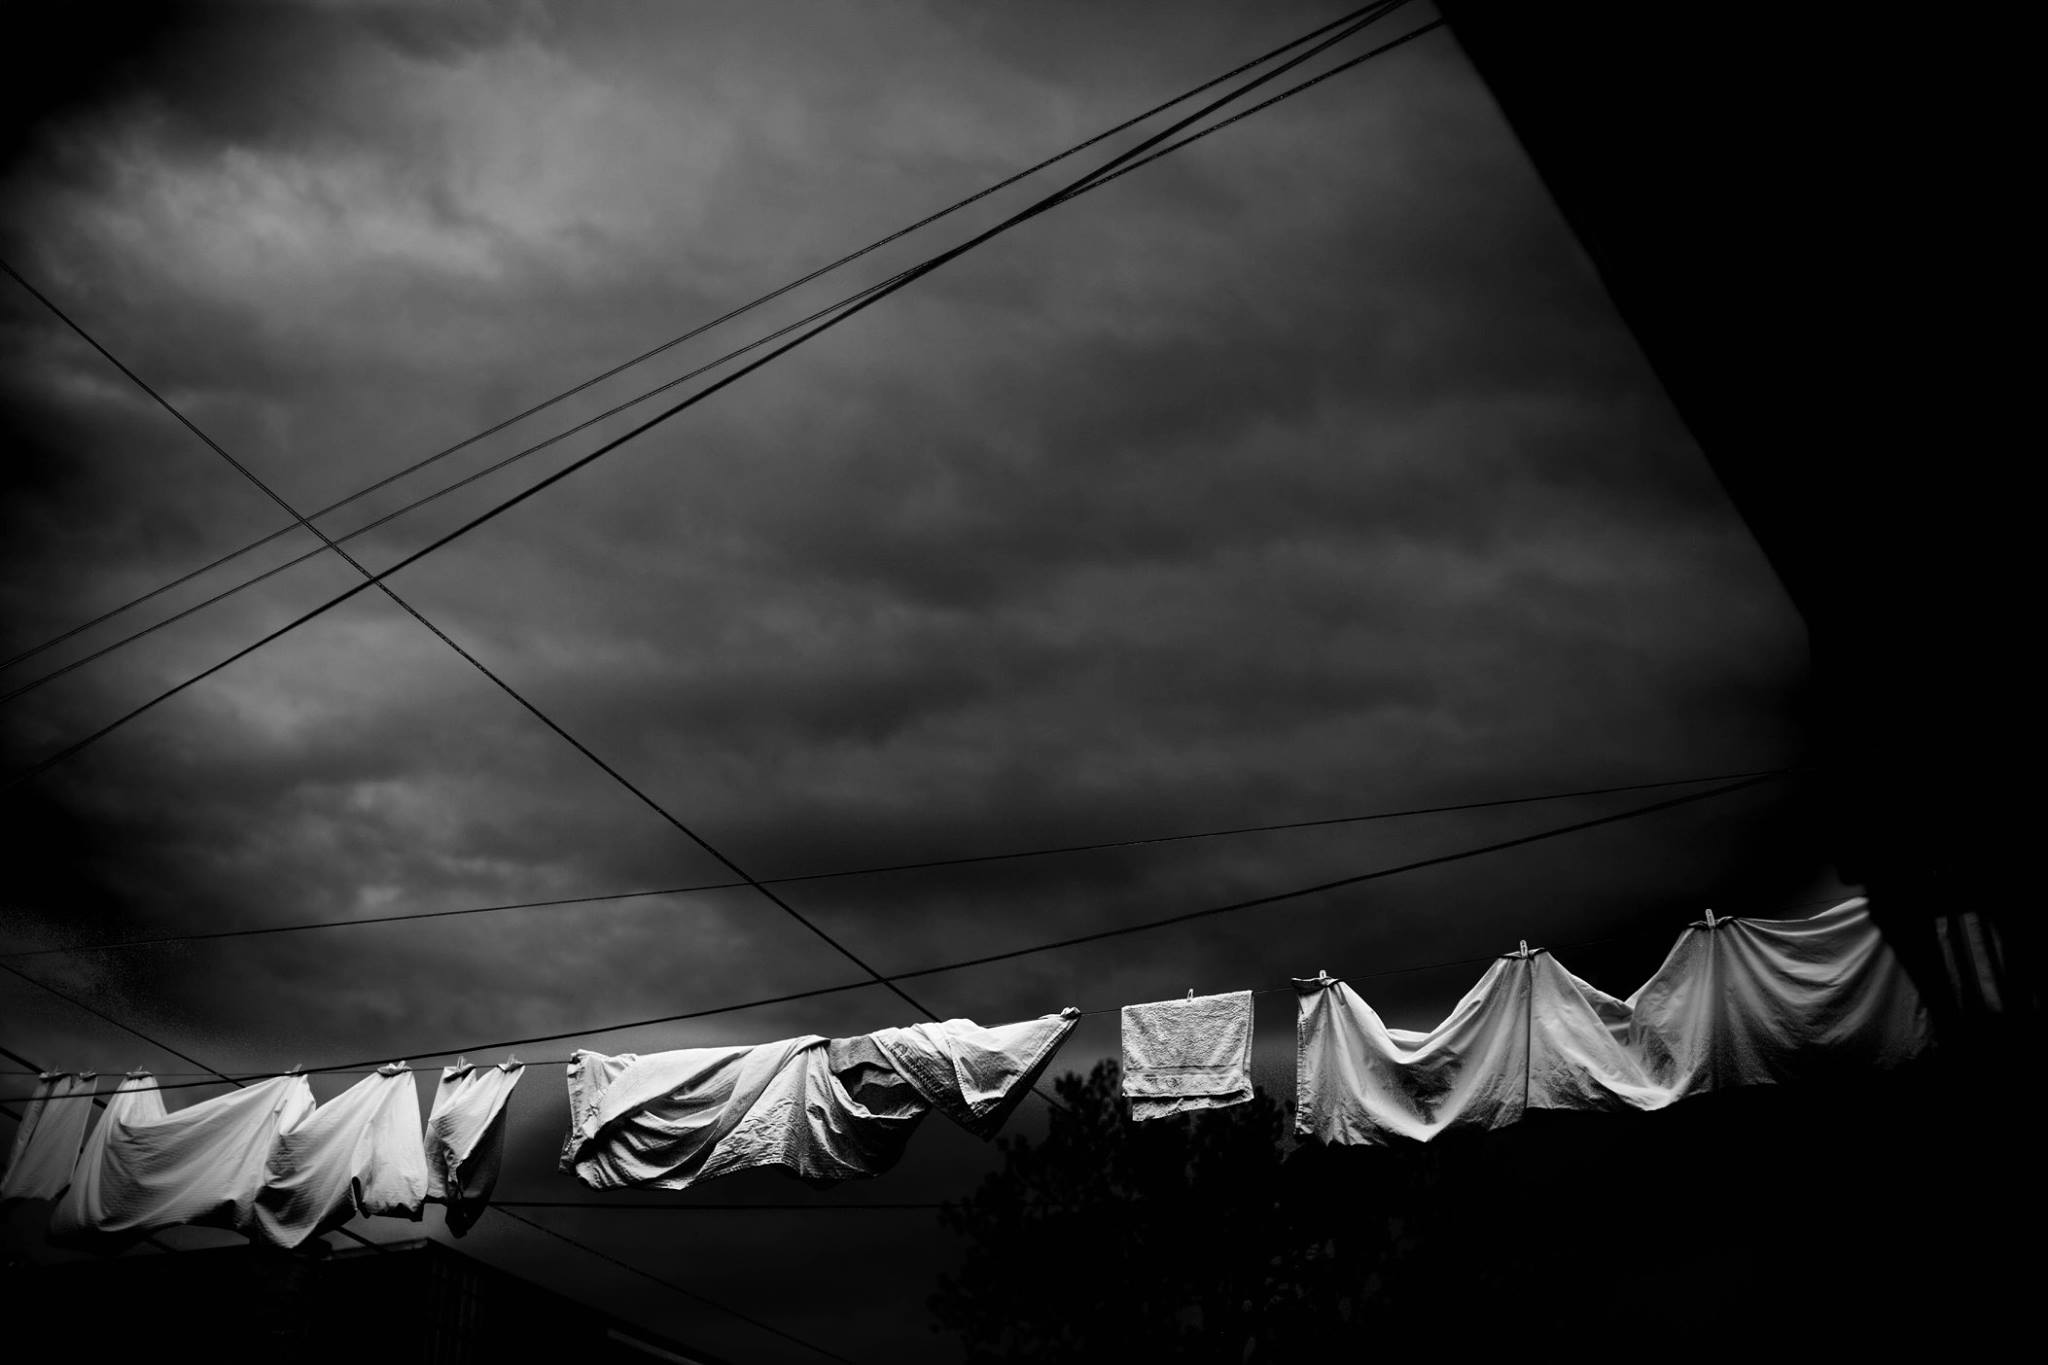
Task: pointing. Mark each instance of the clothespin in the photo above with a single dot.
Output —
(87, 1075)
(297, 1067)
(1711, 921)
(461, 1065)
(1522, 947)
(1191, 992)
(511, 1062)
(51, 1075)
(392, 1068)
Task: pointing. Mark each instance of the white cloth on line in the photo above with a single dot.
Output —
(465, 1142)
(51, 1131)
(1736, 1002)
(143, 1168)
(1182, 1055)
(1751, 1002)
(821, 1110)
(359, 1153)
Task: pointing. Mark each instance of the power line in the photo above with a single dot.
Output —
(376, 579)
(925, 865)
(1164, 921)
(505, 461)
(651, 1206)
(1279, 988)
(914, 273)
(696, 331)
(668, 1284)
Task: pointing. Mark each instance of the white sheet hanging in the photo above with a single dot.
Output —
(359, 1153)
(143, 1168)
(465, 1142)
(823, 1111)
(52, 1128)
(1736, 1002)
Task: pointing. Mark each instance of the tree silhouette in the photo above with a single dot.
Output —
(1762, 1219)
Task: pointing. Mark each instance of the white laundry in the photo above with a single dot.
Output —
(822, 1110)
(47, 1140)
(1181, 1055)
(359, 1153)
(1750, 1002)
(143, 1168)
(1736, 1002)
(465, 1144)
(975, 1076)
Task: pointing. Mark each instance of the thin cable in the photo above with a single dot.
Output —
(648, 1206)
(881, 869)
(669, 1284)
(699, 330)
(1277, 988)
(445, 638)
(1275, 898)
(916, 272)
(613, 411)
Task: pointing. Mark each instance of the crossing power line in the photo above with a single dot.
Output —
(928, 864)
(668, 345)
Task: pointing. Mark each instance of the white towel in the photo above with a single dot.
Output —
(1188, 1054)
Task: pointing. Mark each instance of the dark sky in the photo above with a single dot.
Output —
(1306, 473)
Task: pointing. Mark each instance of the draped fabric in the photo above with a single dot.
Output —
(51, 1131)
(359, 1153)
(465, 1142)
(144, 1169)
(823, 1111)
(1736, 1002)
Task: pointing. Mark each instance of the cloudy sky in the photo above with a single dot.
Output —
(1305, 473)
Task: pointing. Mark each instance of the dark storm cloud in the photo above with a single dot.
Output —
(1307, 472)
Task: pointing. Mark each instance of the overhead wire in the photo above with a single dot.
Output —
(498, 509)
(928, 864)
(376, 580)
(667, 1283)
(1271, 898)
(694, 332)
(22, 689)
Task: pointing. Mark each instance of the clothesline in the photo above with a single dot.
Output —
(1735, 1002)
(1275, 988)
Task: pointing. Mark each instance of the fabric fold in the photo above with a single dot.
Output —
(143, 1168)
(821, 1110)
(359, 1153)
(1735, 1002)
(48, 1139)
(465, 1140)
(1182, 1055)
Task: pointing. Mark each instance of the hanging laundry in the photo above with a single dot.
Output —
(822, 1110)
(1736, 1002)
(465, 1142)
(1181, 1055)
(1358, 1081)
(1750, 1002)
(359, 1153)
(47, 1140)
(143, 1168)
